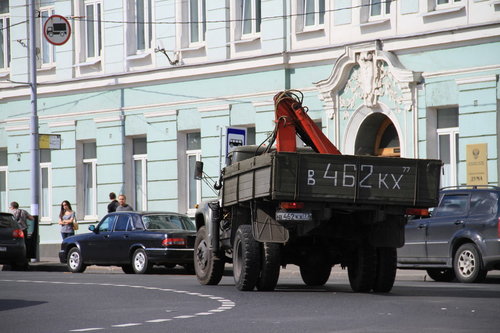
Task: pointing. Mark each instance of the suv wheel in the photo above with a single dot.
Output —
(468, 264)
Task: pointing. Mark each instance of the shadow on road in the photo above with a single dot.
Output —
(10, 304)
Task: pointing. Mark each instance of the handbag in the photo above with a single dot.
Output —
(75, 224)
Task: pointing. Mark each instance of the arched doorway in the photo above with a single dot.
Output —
(377, 136)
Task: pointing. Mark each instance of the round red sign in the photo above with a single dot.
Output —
(57, 30)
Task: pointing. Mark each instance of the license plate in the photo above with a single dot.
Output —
(293, 216)
(3, 249)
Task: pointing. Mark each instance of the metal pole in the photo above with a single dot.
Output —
(34, 148)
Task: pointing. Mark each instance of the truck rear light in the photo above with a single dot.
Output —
(18, 233)
(173, 242)
(417, 211)
(292, 205)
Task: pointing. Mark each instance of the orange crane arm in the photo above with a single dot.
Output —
(292, 120)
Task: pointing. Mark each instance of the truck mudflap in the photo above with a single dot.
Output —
(334, 178)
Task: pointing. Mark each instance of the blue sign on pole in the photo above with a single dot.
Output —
(235, 137)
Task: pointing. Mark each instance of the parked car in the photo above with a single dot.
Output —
(12, 245)
(461, 238)
(133, 240)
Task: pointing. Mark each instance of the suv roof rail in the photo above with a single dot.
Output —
(474, 187)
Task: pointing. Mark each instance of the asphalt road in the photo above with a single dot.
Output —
(103, 300)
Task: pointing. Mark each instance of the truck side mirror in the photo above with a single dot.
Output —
(198, 170)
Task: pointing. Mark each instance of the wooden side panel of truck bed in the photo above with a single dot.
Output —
(333, 178)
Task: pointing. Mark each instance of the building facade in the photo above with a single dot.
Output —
(144, 88)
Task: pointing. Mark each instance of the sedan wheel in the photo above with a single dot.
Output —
(140, 262)
(468, 264)
(75, 261)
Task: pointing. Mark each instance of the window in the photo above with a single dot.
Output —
(451, 205)
(107, 224)
(4, 201)
(250, 135)
(446, 3)
(93, 28)
(447, 132)
(45, 186)
(193, 154)
(250, 17)
(140, 158)
(380, 8)
(47, 50)
(141, 13)
(483, 203)
(197, 19)
(123, 223)
(90, 179)
(314, 12)
(4, 35)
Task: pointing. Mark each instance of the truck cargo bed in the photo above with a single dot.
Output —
(316, 177)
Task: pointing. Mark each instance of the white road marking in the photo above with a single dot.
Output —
(126, 325)
(87, 329)
(225, 304)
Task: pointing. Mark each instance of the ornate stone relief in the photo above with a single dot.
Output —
(362, 76)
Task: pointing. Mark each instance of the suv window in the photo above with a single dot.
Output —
(483, 202)
(452, 204)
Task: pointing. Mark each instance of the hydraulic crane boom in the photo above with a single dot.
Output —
(292, 120)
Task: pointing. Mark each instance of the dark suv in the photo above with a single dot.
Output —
(460, 239)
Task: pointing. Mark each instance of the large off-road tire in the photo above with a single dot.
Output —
(270, 267)
(362, 269)
(75, 261)
(140, 262)
(441, 274)
(209, 269)
(386, 269)
(468, 264)
(316, 270)
(246, 259)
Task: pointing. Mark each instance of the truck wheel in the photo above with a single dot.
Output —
(468, 264)
(362, 269)
(315, 275)
(246, 259)
(208, 269)
(270, 270)
(315, 271)
(441, 275)
(386, 269)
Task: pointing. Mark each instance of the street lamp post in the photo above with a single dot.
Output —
(34, 147)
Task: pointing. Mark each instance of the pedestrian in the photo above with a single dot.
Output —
(113, 204)
(21, 216)
(123, 206)
(66, 219)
